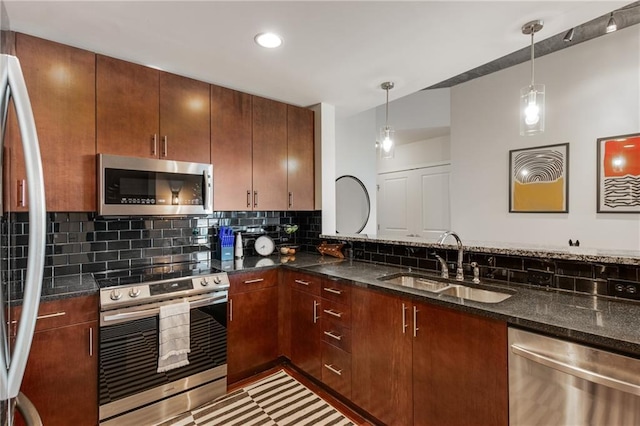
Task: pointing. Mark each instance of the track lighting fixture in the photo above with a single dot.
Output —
(568, 37)
(611, 24)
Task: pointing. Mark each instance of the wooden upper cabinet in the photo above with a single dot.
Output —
(231, 152)
(300, 149)
(269, 155)
(184, 119)
(143, 112)
(128, 117)
(61, 84)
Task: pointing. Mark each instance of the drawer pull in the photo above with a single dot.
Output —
(333, 369)
(257, 280)
(333, 336)
(302, 282)
(333, 313)
(57, 314)
(333, 290)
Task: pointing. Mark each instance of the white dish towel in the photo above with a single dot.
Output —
(173, 336)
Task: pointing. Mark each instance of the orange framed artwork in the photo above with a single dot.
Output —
(619, 174)
(539, 179)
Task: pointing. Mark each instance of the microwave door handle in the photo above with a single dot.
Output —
(206, 202)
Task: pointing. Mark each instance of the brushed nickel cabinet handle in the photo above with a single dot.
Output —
(332, 335)
(165, 146)
(315, 312)
(302, 282)
(290, 199)
(255, 198)
(91, 341)
(248, 198)
(230, 309)
(154, 145)
(333, 290)
(404, 319)
(333, 369)
(415, 322)
(333, 313)
(57, 314)
(257, 280)
(22, 193)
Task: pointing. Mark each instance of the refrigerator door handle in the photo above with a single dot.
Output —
(13, 365)
(28, 410)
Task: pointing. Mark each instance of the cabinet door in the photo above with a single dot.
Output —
(252, 332)
(306, 340)
(381, 356)
(61, 84)
(61, 378)
(184, 119)
(269, 155)
(460, 369)
(231, 149)
(300, 164)
(127, 104)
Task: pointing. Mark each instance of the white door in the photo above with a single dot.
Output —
(393, 204)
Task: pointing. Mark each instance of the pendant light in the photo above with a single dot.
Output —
(532, 96)
(387, 147)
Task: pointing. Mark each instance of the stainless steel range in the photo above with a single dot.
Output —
(132, 392)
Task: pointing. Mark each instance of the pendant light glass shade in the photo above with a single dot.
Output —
(385, 141)
(532, 109)
(387, 147)
(532, 95)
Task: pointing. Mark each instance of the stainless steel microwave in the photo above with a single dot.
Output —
(130, 186)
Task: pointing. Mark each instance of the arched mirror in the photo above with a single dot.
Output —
(352, 205)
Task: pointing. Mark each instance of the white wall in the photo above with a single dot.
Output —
(592, 91)
(325, 164)
(356, 156)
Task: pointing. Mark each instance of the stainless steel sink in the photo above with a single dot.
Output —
(415, 281)
(438, 287)
(475, 294)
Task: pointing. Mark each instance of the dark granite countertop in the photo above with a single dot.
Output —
(300, 260)
(61, 288)
(597, 321)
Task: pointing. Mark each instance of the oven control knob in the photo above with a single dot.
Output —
(134, 292)
(204, 282)
(217, 280)
(115, 294)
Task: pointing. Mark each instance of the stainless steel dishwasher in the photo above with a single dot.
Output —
(554, 382)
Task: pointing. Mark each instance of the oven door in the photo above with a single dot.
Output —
(128, 354)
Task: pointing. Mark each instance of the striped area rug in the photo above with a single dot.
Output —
(276, 400)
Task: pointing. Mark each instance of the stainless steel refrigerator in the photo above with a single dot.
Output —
(14, 350)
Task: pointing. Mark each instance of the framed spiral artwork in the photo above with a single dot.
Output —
(619, 174)
(539, 179)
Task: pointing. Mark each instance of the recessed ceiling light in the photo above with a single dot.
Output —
(268, 40)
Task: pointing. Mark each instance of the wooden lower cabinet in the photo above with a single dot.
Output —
(417, 364)
(306, 337)
(61, 378)
(460, 374)
(381, 357)
(252, 327)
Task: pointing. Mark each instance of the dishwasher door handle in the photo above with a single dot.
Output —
(579, 372)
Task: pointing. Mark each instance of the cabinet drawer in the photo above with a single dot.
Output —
(336, 369)
(303, 282)
(336, 334)
(250, 281)
(60, 313)
(337, 312)
(336, 290)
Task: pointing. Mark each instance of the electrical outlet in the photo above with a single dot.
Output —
(540, 277)
(623, 288)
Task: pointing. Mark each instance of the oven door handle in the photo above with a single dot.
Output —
(155, 311)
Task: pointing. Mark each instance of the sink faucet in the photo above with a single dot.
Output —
(459, 272)
(444, 273)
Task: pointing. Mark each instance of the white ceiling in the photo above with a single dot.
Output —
(336, 52)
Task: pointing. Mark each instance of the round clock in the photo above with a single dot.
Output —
(264, 245)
